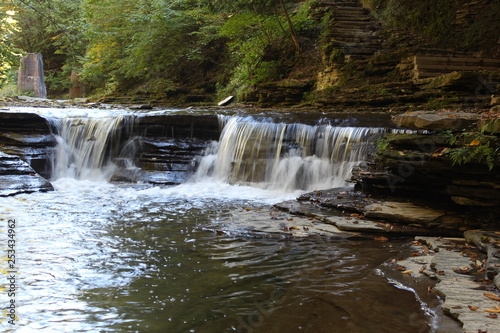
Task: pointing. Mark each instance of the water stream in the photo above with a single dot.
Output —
(96, 256)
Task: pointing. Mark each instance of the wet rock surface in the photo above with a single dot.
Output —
(274, 222)
(459, 268)
(28, 136)
(442, 120)
(365, 213)
(16, 177)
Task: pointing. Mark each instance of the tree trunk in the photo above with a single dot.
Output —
(292, 29)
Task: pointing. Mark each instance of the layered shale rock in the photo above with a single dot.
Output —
(17, 177)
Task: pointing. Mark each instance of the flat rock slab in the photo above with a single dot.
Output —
(350, 222)
(272, 222)
(459, 270)
(441, 121)
(402, 212)
(16, 177)
(374, 215)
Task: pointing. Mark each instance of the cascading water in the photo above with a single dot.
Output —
(286, 156)
(89, 148)
(252, 152)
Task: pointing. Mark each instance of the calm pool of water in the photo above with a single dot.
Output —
(98, 257)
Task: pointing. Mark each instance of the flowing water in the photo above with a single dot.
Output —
(93, 256)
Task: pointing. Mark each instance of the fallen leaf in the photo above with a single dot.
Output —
(290, 219)
(422, 269)
(407, 272)
(456, 307)
(440, 152)
(473, 308)
(462, 270)
(294, 228)
(492, 310)
(440, 272)
(492, 316)
(475, 143)
(492, 296)
(381, 239)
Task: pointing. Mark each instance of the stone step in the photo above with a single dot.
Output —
(356, 24)
(425, 66)
(464, 61)
(453, 68)
(351, 9)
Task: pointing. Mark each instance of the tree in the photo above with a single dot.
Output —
(150, 46)
(7, 50)
(54, 29)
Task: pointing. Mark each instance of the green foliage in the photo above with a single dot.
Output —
(436, 23)
(153, 44)
(260, 45)
(54, 29)
(428, 19)
(483, 33)
(7, 50)
(473, 147)
(382, 143)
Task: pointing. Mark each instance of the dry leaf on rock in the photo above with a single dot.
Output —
(492, 296)
(495, 309)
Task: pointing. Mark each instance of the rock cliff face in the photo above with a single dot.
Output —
(423, 167)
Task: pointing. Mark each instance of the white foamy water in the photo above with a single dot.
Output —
(287, 157)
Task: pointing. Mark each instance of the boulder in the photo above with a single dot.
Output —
(435, 121)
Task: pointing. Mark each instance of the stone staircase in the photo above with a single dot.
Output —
(353, 29)
(427, 65)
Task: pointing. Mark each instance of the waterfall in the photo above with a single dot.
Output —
(285, 156)
(91, 148)
(255, 152)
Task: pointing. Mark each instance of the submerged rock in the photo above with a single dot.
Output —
(16, 177)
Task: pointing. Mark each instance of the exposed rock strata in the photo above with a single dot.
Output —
(28, 136)
(17, 177)
(418, 166)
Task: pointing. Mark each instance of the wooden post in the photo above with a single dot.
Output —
(30, 76)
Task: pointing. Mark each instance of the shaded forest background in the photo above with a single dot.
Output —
(211, 49)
